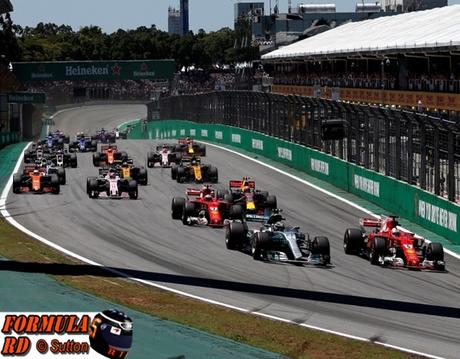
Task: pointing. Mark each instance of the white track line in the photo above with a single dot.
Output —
(4, 212)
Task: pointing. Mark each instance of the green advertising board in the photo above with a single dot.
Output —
(26, 97)
(95, 70)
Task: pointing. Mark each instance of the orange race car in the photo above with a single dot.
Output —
(36, 181)
(109, 155)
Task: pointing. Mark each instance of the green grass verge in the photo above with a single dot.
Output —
(287, 339)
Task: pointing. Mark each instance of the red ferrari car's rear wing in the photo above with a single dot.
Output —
(370, 222)
(193, 192)
(237, 184)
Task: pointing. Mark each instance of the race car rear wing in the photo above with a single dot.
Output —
(192, 192)
(183, 141)
(106, 147)
(370, 222)
(238, 184)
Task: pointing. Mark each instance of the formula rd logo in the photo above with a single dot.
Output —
(106, 334)
(24, 326)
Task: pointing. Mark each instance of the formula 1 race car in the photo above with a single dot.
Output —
(111, 186)
(46, 167)
(164, 156)
(83, 143)
(109, 155)
(202, 207)
(36, 182)
(276, 242)
(194, 171)
(127, 170)
(257, 205)
(389, 245)
(55, 139)
(189, 148)
(104, 136)
(60, 158)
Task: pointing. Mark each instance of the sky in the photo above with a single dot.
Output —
(112, 15)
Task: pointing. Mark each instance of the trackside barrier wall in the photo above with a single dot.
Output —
(434, 213)
(7, 138)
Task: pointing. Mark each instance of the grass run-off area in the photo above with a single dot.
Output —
(289, 340)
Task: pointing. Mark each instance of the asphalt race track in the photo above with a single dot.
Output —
(415, 310)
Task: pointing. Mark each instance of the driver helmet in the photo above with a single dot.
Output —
(202, 213)
(395, 232)
(208, 197)
(36, 171)
(112, 174)
(278, 226)
(194, 161)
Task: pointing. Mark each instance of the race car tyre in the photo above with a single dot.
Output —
(73, 160)
(435, 252)
(264, 195)
(178, 157)
(17, 179)
(236, 212)
(60, 142)
(271, 202)
(93, 190)
(96, 159)
(234, 235)
(150, 159)
(378, 249)
(26, 156)
(220, 193)
(93, 146)
(180, 176)
(177, 207)
(174, 171)
(213, 174)
(66, 139)
(88, 186)
(143, 177)
(177, 148)
(61, 175)
(189, 211)
(228, 197)
(352, 240)
(261, 241)
(124, 156)
(202, 149)
(132, 189)
(55, 187)
(321, 246)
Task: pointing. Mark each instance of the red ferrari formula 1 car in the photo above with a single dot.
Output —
(203, 207)
(388, 245)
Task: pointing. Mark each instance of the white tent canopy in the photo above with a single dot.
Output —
(438, 27)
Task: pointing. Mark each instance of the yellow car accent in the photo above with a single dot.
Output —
(197, 172)
(126, 172)
(190, 150)
(250, 205)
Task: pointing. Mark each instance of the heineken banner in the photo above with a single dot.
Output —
(26, 97)
(95, 70)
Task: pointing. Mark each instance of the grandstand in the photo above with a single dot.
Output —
(408, 60)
